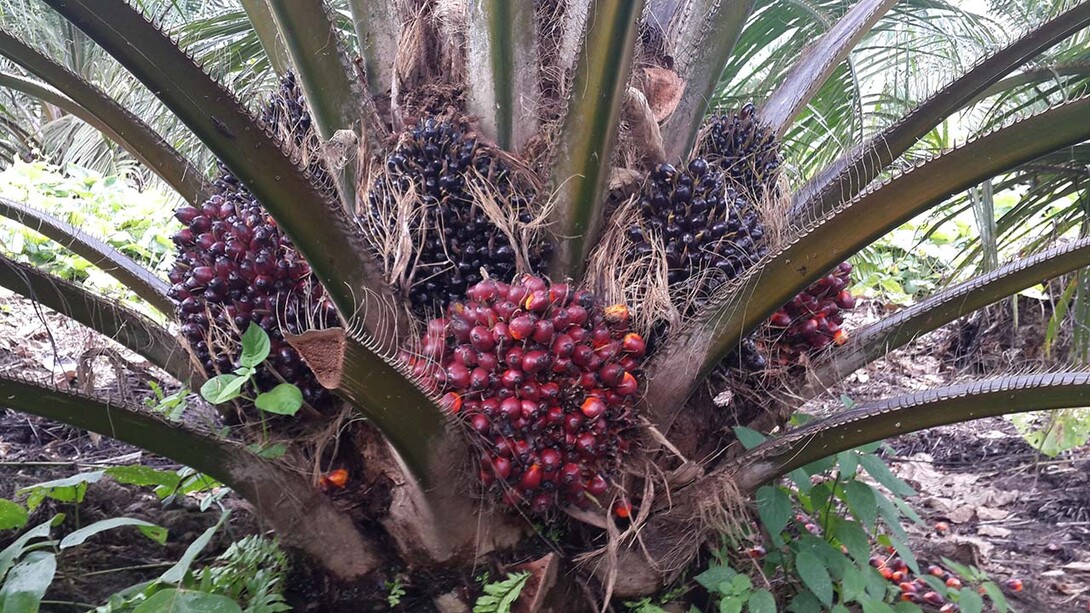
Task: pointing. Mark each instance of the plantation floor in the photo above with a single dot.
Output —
(1011, 511)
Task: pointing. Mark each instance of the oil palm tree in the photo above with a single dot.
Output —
(506, 236)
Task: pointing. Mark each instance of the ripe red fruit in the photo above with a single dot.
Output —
(953, 582)
(480, 422)
(622, 509)
(521, 327)
(531, 479)
(501, 467)
(481, 338)
(936, 571)
(933, 599)
(1014, 585)
(941, 528)
(597, 485)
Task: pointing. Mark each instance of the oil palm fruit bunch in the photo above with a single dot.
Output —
(233, 266)
(812, 320)
(546, 379)
(567, 92)
(703, 223)
(442, 172)
(745, 149)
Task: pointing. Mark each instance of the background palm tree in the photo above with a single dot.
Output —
(575, 107)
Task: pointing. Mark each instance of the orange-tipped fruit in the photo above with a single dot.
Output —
(622, 509)
(1014, 585)
(628, 385)
(886, 572)
(935, 571)
(840, 337)
(451, 402)
(941, 528)
(633, 343)
(593, 407)
(335, 478)
(615, 314)
(953, 582)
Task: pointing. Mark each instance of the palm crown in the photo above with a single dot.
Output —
(507, 234)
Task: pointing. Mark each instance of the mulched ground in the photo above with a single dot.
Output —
(1011, 511)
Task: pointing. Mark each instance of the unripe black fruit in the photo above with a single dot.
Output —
(445, 168)
(233, 267)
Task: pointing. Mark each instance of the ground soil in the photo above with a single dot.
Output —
(1012, 512)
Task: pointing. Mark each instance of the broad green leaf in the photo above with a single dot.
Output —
(875, 606)
(890, 514)
(176, 573)
(284, 399)
(223, 388)
(965, 572)
(970, 601)
(861, 502)
(740, 584)
(749, 437)
(854, 584)
(762, 601)
(27, 583)
(12, 515)
(69, 489)
(936, 584)
(819, 466)
(851, 535)
(148, 529)
(901, 545)
(13, 551)
(711, 578)
(805, 602)
(255, 346)
(849, 464)
(999, 601)
(880, 472)
(136, 474)
(731, 604)
(815, 576)
(801, 480)
(270, 452)
(907, 510)
(187, 601)
(774, 507)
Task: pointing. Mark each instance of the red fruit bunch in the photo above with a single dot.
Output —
(233, 267)
(812, 320)
(546, 379)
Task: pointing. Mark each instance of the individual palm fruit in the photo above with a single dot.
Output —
(813, 319)
(745, 149)
(704, 225)
(233, 266)
(287, 111)
(546, 379)
(452, 238)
